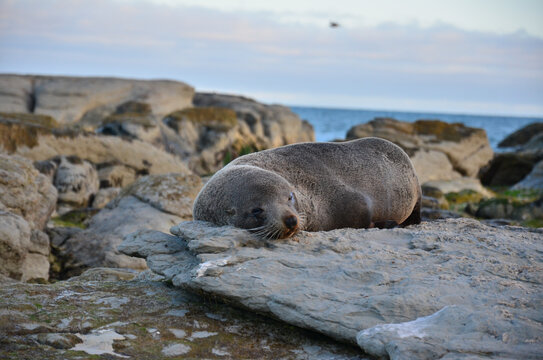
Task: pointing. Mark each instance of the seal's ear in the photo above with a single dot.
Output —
(231, 211)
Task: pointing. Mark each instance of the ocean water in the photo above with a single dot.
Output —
(331, 124)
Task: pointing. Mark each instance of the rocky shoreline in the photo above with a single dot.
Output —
(97, 180)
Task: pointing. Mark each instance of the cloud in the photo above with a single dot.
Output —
(254, 53)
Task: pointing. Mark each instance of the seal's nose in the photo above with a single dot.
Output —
(291, 221)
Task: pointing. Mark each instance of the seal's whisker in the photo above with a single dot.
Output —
(277, 233)
(257, 228)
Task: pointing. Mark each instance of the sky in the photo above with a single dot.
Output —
(460, 56)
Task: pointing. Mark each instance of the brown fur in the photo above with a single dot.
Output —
(358, 184)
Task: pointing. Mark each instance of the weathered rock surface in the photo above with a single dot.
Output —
(24, 251)
(86, 99)
(26, 192)
(158, 113)
(534, 180)
(102, 315)
(142, 157)
(276, 123)
(170, 193)
(437, 290)
(458, 185)
(507, 169)
(222, 127)
(465, 149)
(153, 202)
(27, 199)
(18, 129)
(509, 209)
(76, 181)
(522, 136)
(104, 196)
(206, 137)
(510, 168)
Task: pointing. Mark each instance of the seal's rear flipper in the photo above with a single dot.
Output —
(415, 217)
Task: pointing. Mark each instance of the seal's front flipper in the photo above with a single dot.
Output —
(388, 224)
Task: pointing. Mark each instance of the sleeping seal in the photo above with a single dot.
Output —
(314, 186)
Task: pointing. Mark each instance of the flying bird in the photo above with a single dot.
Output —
(334, 24)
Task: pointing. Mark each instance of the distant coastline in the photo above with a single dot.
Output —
(333, 123)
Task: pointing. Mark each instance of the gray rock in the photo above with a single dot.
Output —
(153, 202)
(26, 192)
(222, 127)
(507, 169)
(24, 252)
(116, 175)
(58, 341)
(104, 196)
(465, 287)
(171, 193)
(76, 181)
(276, 123)
(503, 208)
(133, 120)
(15, 94)
(458, 185)
(511, 168)
(534, 180)
(139, 319)
(142, 157)
(204, 137)
(433, 165)
(464, 150)
(86, 99)
(522, 136)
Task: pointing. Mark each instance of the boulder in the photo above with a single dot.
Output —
(206, 137)
(459, 185)
(510, 168)
(133, 120)
(432, 165)
(534, 180)
(466, 149)
(152, 202)
(111, 314)
(104, 196)
(170, 193)
(116, 175)
(76, 181)
(26, 192)
(276, 124)
(522, 136)
(88, 100)
(16, 94)
(142, 157)
(436, 290)
(24, 252)
(503, 208)
(507, 169)
(19, 129)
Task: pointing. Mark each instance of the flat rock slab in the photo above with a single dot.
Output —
(447, 288)
(104, 315)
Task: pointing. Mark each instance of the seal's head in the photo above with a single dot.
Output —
(250, 198)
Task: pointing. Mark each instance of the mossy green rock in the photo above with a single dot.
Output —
(220, 119)
(18, 129)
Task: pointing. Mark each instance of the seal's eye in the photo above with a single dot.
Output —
(257, 211)
(291, 198)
